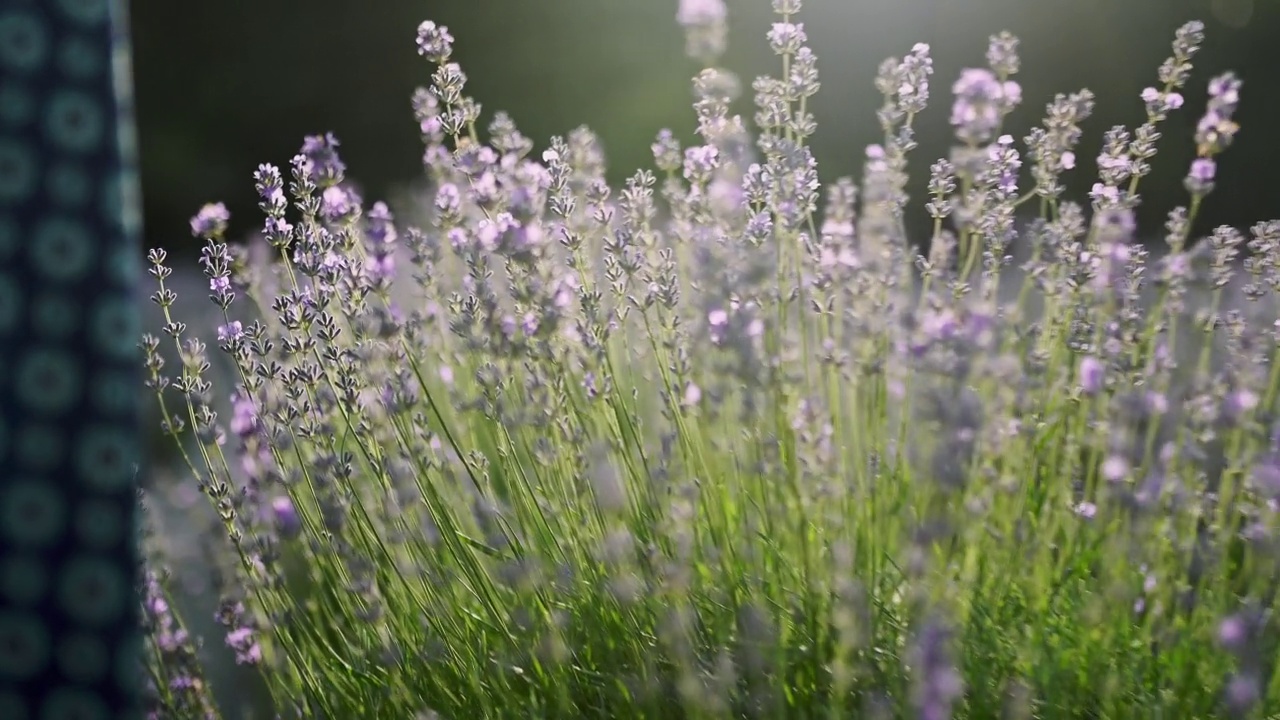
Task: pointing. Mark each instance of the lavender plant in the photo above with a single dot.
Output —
(712, 444)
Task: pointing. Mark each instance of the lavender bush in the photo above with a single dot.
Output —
(714, 444)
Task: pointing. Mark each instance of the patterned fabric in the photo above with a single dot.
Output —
(69, 383)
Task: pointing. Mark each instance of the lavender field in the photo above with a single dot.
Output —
(725, 441)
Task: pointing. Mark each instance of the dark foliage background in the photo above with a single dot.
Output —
(223, 86)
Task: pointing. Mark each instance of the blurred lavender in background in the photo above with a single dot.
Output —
(242, 82)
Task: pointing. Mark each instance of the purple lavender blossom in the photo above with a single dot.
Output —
(244, 421)
(337, 203)
(938, 684)
(1199, 180)
(978, 107)
(700, 162)
(287, 522)
(435, 43)
(1216, 129)
(323, 163)
(697, 13)
(211, 221)
(702, 383)
(270, 187)
(1242, 693)
(706, 28)
(786, 38)
(230, 332)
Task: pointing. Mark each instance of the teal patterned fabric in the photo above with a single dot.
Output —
(69, 221)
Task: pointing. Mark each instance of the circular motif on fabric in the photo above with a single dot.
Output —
(13, 706)
(19, 171)
(72, 703)
(82, 657)
(55, 316)
(99, 524)
(89, 12)
(104, 457)
(114, 393)
(24, 645)
(80, 58)
(68, 185)
(10, 236)
(114, 327)
(73, 122)
(62, 249)
(68, 565)
(48, 381)
(109, 201)
(10, 304)
(32, 513)
(39, 446)
(123, 267)
(24, 579)
(120, 200)
(92, 591)
(17, 106)
(24, 44)
(128, 663)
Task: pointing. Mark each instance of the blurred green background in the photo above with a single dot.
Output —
(224, 86)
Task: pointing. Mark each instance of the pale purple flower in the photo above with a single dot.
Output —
(243, 641)
(232, 331)
(529, 323)
(210, 221)
(276, 228)
(1225, 88)
(1266, 474)
(1203, 170)
(448, 198)
(1243, 691)
(244, 417)
(979, 102)
(459, 239)
(787, 37)
(700, 13)
(1104, 195)
(381, 230)
(1159, 103)
(337, 202)
(1233, 633)
(1240, 402)
(270, 187)
(321, 155)
(1115, 468)
(692, 394)
(434, 42)
(699, 162)
(287, 522)
(1216, 129)
(381, 268)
